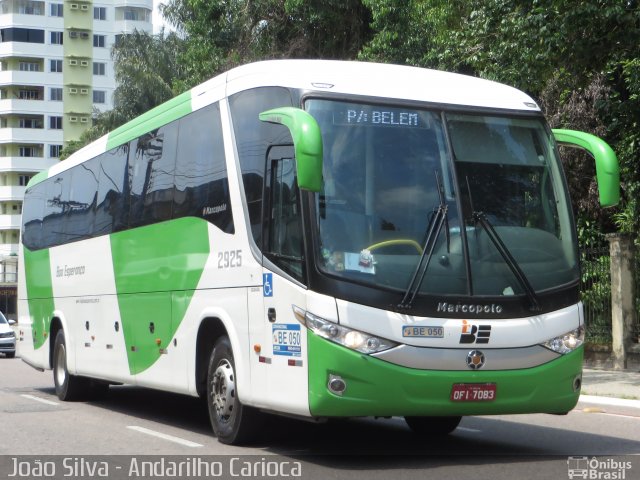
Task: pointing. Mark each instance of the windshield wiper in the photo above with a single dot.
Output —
(481, 218)
(438, 219)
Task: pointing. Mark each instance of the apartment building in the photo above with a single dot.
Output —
(55, 71)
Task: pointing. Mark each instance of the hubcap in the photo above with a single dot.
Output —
(223, 390)
(61, 361)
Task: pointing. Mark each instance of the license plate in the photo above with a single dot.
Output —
(473, 392)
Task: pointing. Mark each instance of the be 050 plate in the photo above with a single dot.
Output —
(473, 392)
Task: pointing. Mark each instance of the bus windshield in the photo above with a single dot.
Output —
(388, 170)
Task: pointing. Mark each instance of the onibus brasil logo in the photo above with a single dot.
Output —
(594, 468)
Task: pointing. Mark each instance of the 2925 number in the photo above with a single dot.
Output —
(230, 259)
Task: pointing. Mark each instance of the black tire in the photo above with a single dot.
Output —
(433, 425)
(68, 387)
(232, 422)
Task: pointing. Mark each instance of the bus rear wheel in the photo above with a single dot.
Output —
(232, 422)
(433, 425)
(68, 387)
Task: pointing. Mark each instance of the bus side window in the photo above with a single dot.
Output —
(253, 137)
(112, 183)
(201, 182)
(32, 216)
(84, 185)
(152, 161)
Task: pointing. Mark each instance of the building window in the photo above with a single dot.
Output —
(55, 123)
(54, 151)
(55, 94)
(99, 96)
(99, 40)
(56, 10)
(30, 123)
(56, 38)
(28, 35)
(28, 95)
(30, 8)
(55, 66)
(27, 152)
(99, 68)
(23, 180)
(99, 13)
(29, 67)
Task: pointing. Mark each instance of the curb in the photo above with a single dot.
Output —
(616, 402)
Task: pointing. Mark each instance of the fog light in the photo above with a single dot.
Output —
(336, 385)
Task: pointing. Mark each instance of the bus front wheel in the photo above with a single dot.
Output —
(232, 422)
(433, 425)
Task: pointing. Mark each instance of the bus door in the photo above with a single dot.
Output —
(284, 338)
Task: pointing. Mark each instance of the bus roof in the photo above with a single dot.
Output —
(328, 76)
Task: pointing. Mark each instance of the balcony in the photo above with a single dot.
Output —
(30, 135)
(13, 49)
(10, 222)
(12, 192)
(8, 249)
(15, 105)
(26, 164)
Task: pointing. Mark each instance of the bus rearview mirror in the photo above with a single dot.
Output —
(607, 169)
(307, 143)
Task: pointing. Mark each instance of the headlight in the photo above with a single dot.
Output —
(347, 337)
(566, 343)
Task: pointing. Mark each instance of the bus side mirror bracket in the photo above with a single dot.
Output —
(607, 169)
(307, 143)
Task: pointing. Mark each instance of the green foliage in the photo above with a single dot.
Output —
(220, 34)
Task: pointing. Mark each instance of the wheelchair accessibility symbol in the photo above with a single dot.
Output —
(267, 284)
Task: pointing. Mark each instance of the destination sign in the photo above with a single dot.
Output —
(379, 117)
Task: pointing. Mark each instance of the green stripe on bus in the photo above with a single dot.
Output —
(37, 269)
(38, 177)
(157, 269)
(379, 388)
(161, 115)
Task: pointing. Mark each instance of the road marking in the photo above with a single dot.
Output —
(616, 402)
(38, 399)
(465, 429)
(164, 436)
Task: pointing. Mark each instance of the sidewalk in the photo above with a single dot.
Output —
(611, 383)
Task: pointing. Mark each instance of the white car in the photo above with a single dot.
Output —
(7, 337)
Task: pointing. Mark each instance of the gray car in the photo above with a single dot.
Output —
(7, 337)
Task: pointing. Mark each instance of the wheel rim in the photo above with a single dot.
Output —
(223, 391)
(61, 361)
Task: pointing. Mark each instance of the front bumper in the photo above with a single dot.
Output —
(8, 345)
(378, 388)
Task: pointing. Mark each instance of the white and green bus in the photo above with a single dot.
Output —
(316, 239)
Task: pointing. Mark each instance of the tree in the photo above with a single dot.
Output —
(221, 34)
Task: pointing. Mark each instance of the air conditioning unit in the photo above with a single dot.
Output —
(73, 34)
(73, 119)
(73, 90)
(84, 91)
(85, 7)
(73, 62)
(74, 6)
(84, 35)
(84, 120)
(84, 63)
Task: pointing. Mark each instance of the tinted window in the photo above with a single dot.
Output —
(83, 194)
(110, 215)
(201, 184)
(32, 216)
(56, 207)
(22, 35)
(253, 137)
(152, 162)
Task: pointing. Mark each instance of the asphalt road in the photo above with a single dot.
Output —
(137, 422)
